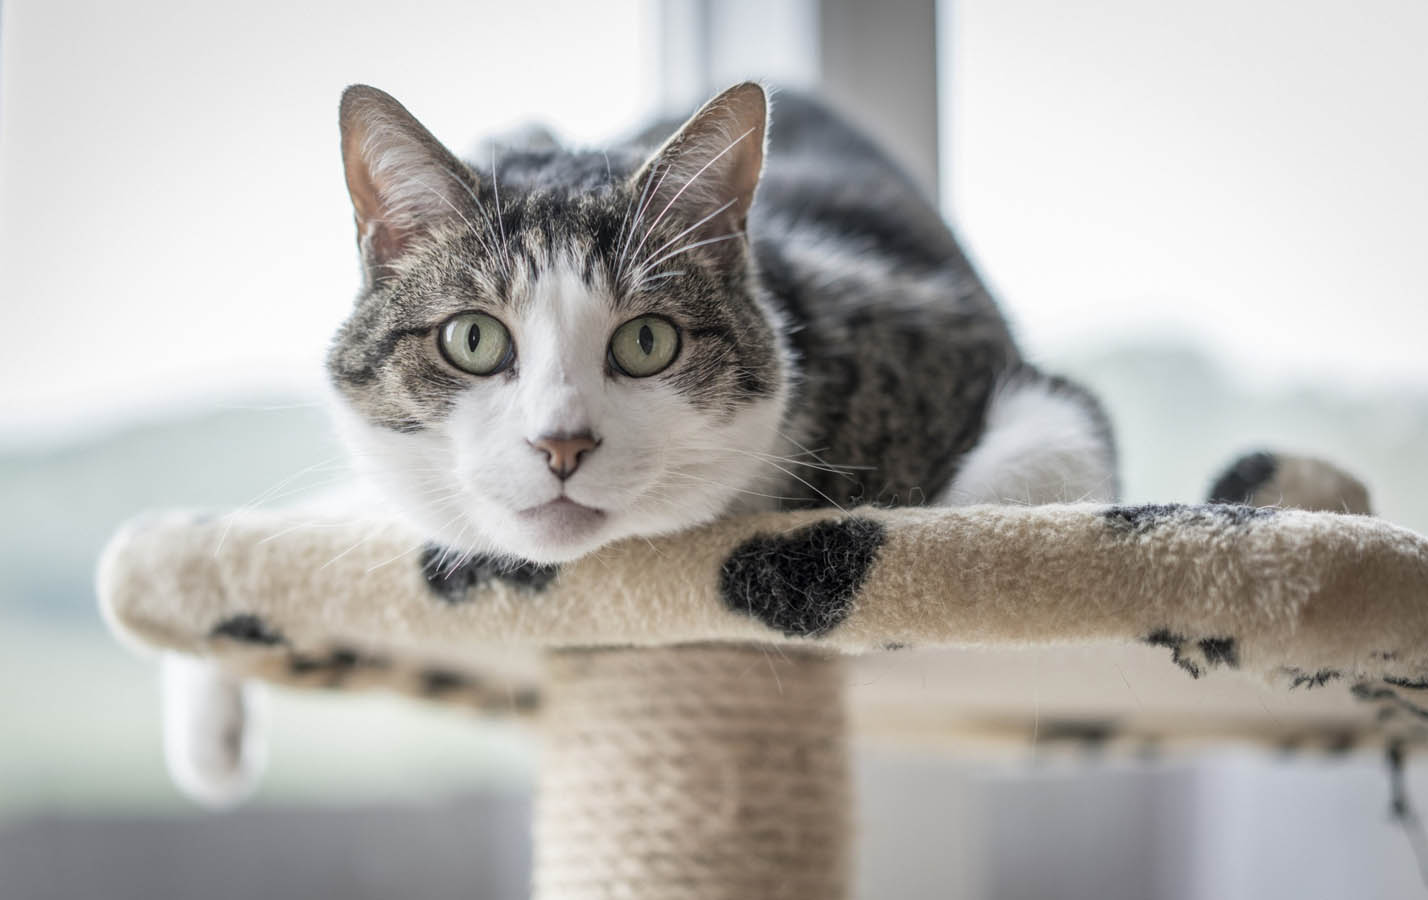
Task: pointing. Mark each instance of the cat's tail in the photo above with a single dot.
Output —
(1265, 478)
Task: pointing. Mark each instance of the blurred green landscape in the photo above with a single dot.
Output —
(82, 712)
(82, 729)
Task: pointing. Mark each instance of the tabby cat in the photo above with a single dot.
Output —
(554, 349)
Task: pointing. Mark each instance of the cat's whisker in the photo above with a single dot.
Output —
(500, 215)
(846, 469)
(688, 247)
(263, 496)
(485, 214)
(434, 566)
(454, 208)
(441, 480)
(674, 240)
(438, 487)
(821, 463)
(445, 503)
(621, 237)
(813, 453)
(645, 197)
(327, 482)
(386, 562)
(728, 487)
(647, 201)
(456, 563)
(284, 482)
(692, 179)
(778, 682)
(422, 543)
(375, 532)
(433, 480)
(315, 523)
(808, 485)
(462, 560)
(658, 276)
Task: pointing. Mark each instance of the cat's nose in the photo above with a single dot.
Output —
(563, 452)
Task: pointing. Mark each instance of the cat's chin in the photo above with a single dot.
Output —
(559, 531)
(562, 520)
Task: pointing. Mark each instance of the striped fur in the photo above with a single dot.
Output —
(836, 346)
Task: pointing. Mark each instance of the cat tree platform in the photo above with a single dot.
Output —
(691, 689)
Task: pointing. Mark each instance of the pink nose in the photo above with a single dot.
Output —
(563, 452)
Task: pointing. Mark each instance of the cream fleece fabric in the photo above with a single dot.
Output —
(1302, 598)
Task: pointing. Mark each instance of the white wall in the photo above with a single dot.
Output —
(173, 219)
(1250, 175)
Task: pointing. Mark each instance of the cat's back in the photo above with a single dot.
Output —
(823, 173)
(897, 342)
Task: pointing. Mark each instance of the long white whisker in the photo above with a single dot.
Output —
(376, 532)
(728, 487)
(806, 484)
(266, 495)
(447, 201)
(486, 215)
(646, 196)
(500, 216)
(693, 178)
(658, 276)
(687, 247)
(300, 526)
(661, 248)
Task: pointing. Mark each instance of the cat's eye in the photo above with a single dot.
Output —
(477, 343)
(645, 346)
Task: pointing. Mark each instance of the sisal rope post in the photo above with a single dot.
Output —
(693, 773)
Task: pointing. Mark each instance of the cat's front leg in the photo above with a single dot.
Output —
(214, 740)
(1046, 440)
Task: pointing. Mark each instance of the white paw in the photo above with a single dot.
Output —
(214, 740)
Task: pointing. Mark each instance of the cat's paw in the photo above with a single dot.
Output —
(214, 742)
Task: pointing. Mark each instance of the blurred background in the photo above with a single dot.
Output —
(1213, 213)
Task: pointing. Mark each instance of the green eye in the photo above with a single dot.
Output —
(477, 343)
(645, 346)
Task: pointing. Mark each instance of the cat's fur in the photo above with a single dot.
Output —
(836, 345)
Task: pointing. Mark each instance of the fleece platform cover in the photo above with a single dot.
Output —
(1087, 622)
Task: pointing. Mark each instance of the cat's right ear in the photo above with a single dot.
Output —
(403, 182)
(706, 174)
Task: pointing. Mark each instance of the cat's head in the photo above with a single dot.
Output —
(555, 350)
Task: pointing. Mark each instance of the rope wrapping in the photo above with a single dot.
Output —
(693, 773)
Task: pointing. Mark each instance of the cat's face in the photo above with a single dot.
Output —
(558, 354)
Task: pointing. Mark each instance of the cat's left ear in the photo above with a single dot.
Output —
(704, 176)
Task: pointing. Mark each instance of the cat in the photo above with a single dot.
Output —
(584, 346)
(554, 349)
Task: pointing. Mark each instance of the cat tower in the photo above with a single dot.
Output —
(696, 693)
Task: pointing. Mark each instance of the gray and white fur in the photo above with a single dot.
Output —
(802, 326)
(835, 345)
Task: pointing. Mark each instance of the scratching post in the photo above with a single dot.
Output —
(692, 773)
